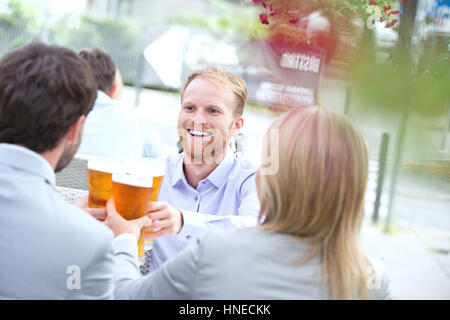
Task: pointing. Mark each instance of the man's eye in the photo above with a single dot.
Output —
(189, 108)
(213, 111)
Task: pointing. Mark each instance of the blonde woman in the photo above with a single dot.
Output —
(307, 244)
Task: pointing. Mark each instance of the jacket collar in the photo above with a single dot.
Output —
(24, 159)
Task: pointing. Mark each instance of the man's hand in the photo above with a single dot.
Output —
(119, 225)
(164, 217)
(97, 213)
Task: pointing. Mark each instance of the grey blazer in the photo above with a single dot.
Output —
(49, 249)
(234, 264)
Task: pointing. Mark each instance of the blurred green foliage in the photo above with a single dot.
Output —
(17, 26)
(119, 38)
(397, 84)
(23, 23)
(231, 19)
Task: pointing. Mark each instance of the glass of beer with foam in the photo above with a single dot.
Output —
(131, 196)
(157, 169)
(100, 181)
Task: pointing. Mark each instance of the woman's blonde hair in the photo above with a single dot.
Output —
(317, 194)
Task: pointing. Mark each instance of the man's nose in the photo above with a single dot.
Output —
(199, 118)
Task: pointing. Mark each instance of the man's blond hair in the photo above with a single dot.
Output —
(225, 78)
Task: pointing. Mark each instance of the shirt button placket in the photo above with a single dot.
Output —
(197, 199)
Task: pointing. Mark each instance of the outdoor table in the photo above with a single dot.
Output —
(71, 195)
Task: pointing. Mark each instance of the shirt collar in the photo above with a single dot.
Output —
(179, 172)
(222, 171)
(103, 99)
(216, 177)
(26, 160)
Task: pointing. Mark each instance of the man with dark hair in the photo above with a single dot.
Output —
(113, 130)
(103, 68)
(49, 248)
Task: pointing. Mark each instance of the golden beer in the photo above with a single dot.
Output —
(100, 181)
(153, 167)
(131, 196)
(157, 169)
(157, 181)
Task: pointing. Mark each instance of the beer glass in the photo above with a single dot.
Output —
(100, 181)
(131, 196)
(156, 168)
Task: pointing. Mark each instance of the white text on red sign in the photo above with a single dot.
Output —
(300, 61)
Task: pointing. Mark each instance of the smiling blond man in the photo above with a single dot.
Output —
(206, 186)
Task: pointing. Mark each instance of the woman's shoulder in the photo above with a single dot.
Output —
(378, 280)
(228, 238)
(246, 241)
(220, 240)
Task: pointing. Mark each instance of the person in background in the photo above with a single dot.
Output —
(153, 145)
(113, 130)
(116, 94)
(307, 244)
(49, 249)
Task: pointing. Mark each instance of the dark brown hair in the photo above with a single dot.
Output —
(43, 91)
(103, 67)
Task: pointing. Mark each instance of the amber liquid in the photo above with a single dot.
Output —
(131, 202)
(157, 181)
(100, 188)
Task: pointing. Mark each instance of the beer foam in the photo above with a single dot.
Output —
(106, 165)
(154, 167)
(143, 181)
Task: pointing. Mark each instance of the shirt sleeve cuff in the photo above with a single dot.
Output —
(125, 243)
(192, 222)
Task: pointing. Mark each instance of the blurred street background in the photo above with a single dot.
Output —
(156, 44)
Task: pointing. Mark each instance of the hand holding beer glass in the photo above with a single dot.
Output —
(156, 168)
(131, 196)
(132, 184)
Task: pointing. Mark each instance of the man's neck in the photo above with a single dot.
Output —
(194, 173)
(52, 156)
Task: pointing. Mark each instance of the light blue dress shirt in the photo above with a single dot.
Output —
(227, 198)
(112, 130)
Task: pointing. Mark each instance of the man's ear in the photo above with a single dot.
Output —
(113, 90)
(75, 130)
(238, 124)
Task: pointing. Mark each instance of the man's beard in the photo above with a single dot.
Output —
(212, 153)
(68, 155)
